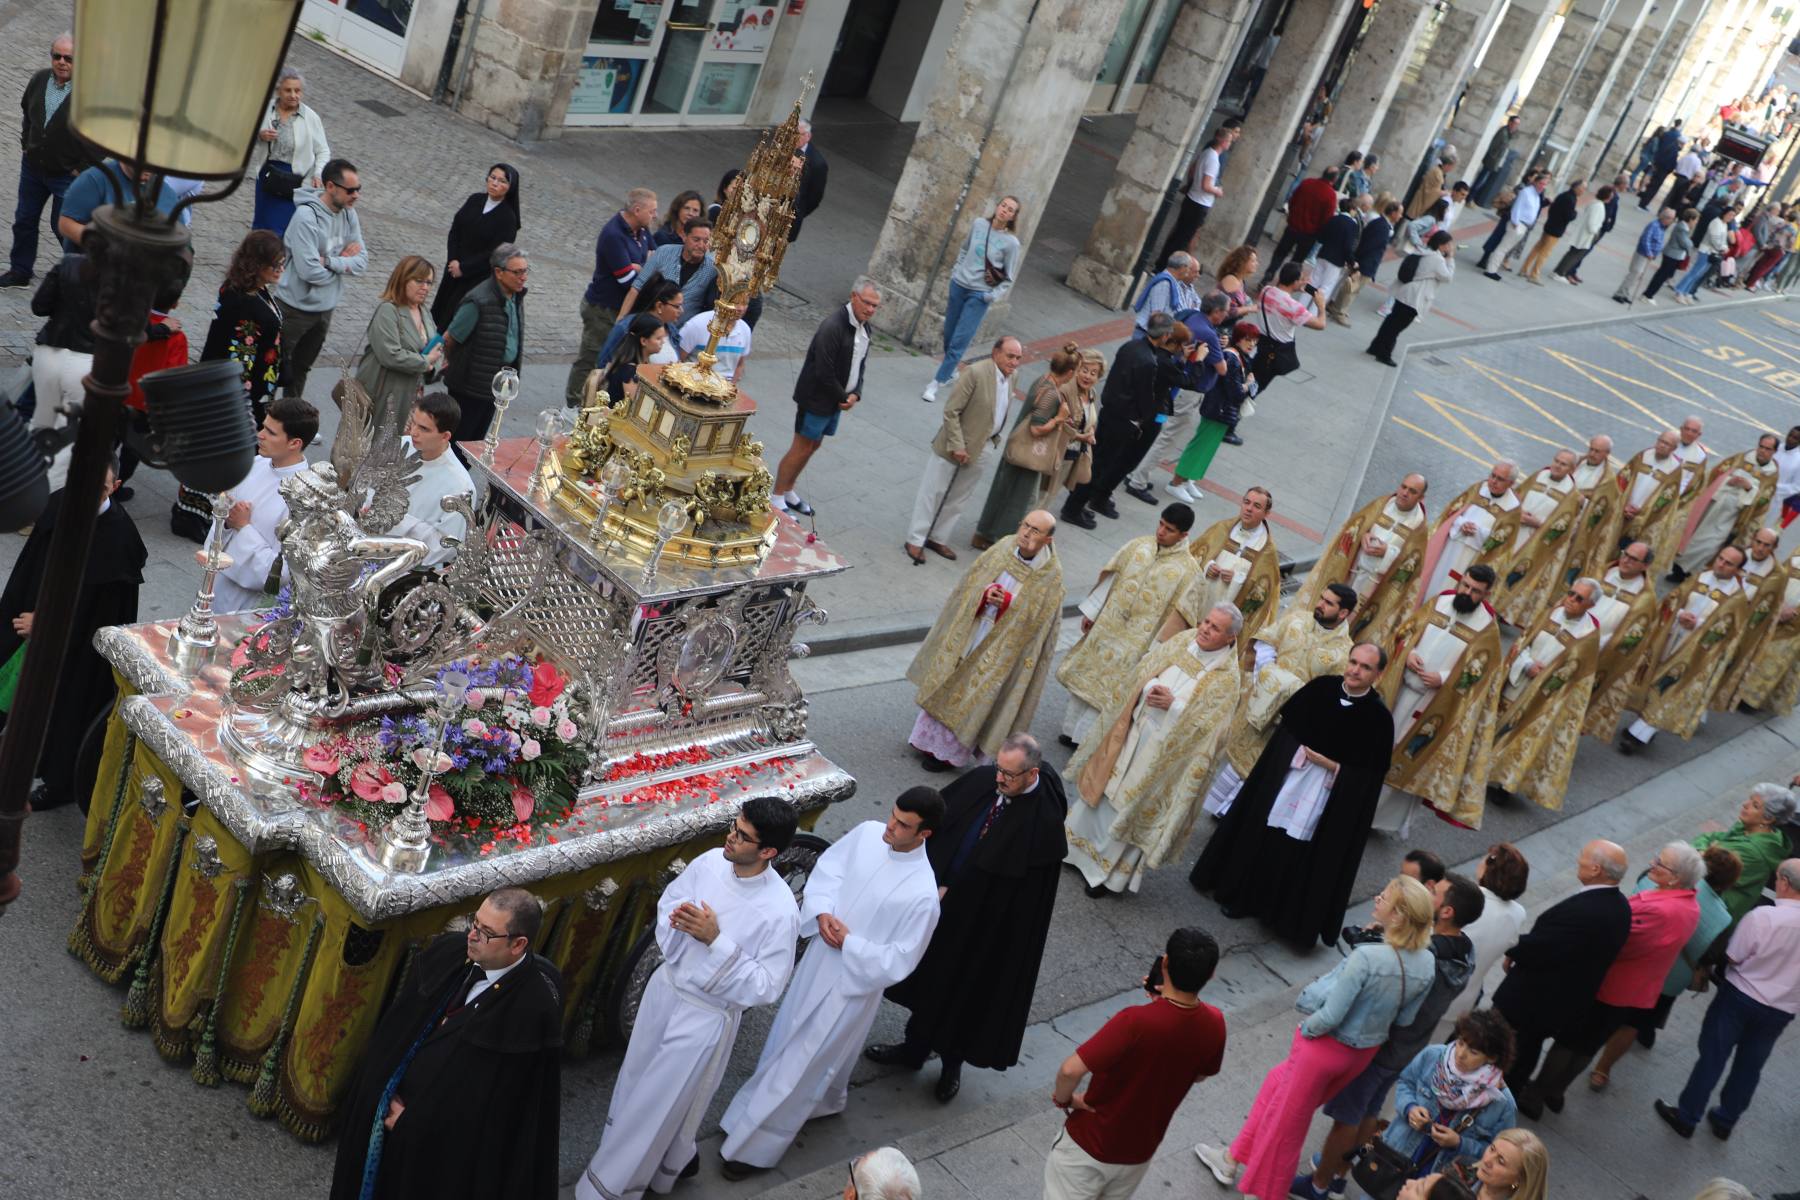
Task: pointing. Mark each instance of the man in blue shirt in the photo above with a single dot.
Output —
(619, 256)
(1645, 256)
(1197, 379)
(92, 189)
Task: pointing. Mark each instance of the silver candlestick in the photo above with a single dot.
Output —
(614, 477)
(198, 631)
(549, 424)
(406, 842)
(505, 388)
(671, 519)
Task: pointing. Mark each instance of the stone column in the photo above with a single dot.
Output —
(1371, 79)
(1721, 15)
(1415, 116)
(527, 56)
(1008, 97)
(1649, 52)
(1593, 80)
(1202, 45)
(1554, 79)
(1261, 153)
(802, 46)
(1491, 85)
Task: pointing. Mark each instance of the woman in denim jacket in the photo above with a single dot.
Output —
(1447, 1083)
(1349, 1011)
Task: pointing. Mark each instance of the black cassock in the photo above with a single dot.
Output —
(970, 995)
(1300, 889)
(108, 596)
(482, 1092)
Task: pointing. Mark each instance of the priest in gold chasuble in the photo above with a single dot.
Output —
(1477, 527)
(1441, 683)
(1650, 486)
(1697, 632)
(1596, 536)
(982, 667)
(1627, 614)
(1137, 591)
(1531, 577)
(1377, 553)
(1549, 677)
(1765, 580)
(1731, 505)
(1238, 566)
(1138, 788)
(1772, 682)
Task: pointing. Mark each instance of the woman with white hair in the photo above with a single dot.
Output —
(295, 153)
(1663, 918)
(884, 1174)
(1756, 838)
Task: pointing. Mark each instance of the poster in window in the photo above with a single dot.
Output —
(605, 86)
(745, 28)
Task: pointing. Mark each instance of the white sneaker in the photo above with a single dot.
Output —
(930, 392)
(1219, 1163)
(1184, 491)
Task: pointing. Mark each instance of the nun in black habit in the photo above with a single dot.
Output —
(1257, 864)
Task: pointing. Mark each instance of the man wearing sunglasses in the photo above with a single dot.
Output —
(726, 928)
(324, 244)
(459, 1088)
(50, 159)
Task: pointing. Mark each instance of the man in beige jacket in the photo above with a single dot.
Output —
(979, 408)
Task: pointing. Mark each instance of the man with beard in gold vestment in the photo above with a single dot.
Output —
(1697, 632)
(1627, 614)
(1297, 649)
(1772, 683)
(1549, 678)
(1238, 566)
(1139, 786)
(1138, 589)
(1531, 576)
(1477, 527)
(1650, 486)
(983, 665)
(1377, 553)
(1765, 585)
(1596, 537)
(1441, 683)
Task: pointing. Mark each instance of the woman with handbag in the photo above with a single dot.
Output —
(487, 220)
(296, 153)
(1450, 1102)
(1221, 407)
(984, 273)
(1077, 466)
(1349, 1012)
(1285, 307)
(1034, 450)
(402, 351)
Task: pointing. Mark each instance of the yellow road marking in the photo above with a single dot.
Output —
(1422, 432)
(1439, 407)
(1741, 381)
(1766, 345)
(1492, 372)
(1442, 405)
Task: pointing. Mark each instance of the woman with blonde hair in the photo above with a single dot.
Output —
(1077, 465)
(1034, 450)
(1349, 1012)
(1515, 1166)
(403, 350)
(983, 275)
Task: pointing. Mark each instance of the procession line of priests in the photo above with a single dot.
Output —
(1239, 565)
(1378, 554)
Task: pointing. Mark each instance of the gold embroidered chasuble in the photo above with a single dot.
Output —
(1656, 487)
(1768, 594)
(1539, 722)
(1497, 519)
(1772, 681)
(1304, 650)
(1147, 581)
(1626, 639)
(1384, 586)
(1255, 581)
(1532, 580)
(1717, 519)
(1595, 542)
(985, 695)
(1442, 754)
(1687, 665)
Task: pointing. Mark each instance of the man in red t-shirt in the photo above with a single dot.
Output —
(1143, 1061)
(1313, 202)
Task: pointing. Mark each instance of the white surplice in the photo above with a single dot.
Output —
(1617, 595)
(1234, 560)
(889, 901)
(425, 517)
(1392, 530)
(1540, 502)
(687, 1023)
(1647, 480)
(1440, 651)
(1546, 648)
(1714, 528)
(1460, 547)
(254, 548)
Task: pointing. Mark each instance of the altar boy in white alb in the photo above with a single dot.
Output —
(726, 928)
(257, 507)
(441, 474)
(872, 902)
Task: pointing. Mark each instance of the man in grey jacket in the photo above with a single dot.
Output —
(324, 244)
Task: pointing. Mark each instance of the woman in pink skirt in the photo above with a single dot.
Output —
(1348, 1011)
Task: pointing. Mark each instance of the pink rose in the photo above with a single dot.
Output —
(476, 697)
(540, 716)
(530, 750)
(523, 801)
(565, 729)
(368, 780)
(322, 759)
(438, 805)
(393, 793)
(474, 728)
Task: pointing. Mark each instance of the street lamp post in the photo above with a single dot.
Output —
(168, 87)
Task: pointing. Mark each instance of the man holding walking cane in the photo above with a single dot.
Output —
(976, 414)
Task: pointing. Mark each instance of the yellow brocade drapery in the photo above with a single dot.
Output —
(1772, 682)
(1531, 577)
(1678, 687)
(1444, 758)
(1760, 624)
(1377, 615)
(1147, 581)
(1304, 650)
(1258, 597)
(1536, 733)
(1158, 813)
(1658, 521)
(985, 697)
(1619, 672)
(1596, 536)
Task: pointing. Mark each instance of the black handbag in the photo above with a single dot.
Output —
(1273, 359)
(276, 183)
(1380, 1170)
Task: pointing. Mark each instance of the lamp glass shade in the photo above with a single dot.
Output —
(214, 66)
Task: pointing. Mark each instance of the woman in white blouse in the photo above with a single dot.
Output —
(1503, 875)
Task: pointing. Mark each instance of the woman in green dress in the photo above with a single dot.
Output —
(1220, 410)
(1758, 842)
(404, 350)
(1040, 433)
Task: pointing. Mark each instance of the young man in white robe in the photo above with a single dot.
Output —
(257, 507)
(429, 432)
(726, 928)
(871, 906)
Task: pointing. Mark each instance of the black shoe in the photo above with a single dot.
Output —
(1629, 745)
(934, 764)
(1143, 493)
(43, 799)
(1553, 1103)
(1494, 275)
(949, 1083)
(735, 1171)
(1084, 518)
(1232, 439)
(1097, 891)
(123, 493)
(1105, 508)
(1676, 575)
(1526, 1100)
(1647, 1038)
(1068, 741)
(1385, 361)
(12, 279)
(893, 1054)
(1481, 263)
(692, 1169)
(1673, 1120)
(1719, 1129)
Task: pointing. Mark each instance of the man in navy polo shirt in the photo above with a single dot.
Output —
(619, 255)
